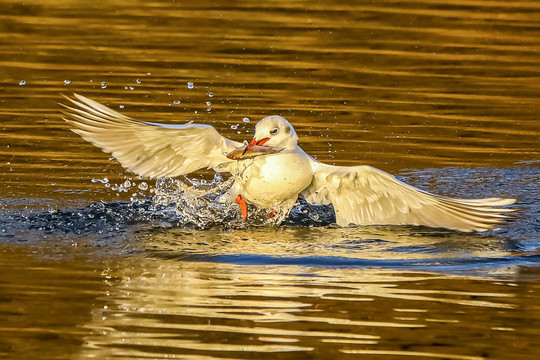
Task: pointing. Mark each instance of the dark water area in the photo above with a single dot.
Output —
(98, 263)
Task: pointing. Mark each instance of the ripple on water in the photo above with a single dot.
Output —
(288, 309)
(182, 219)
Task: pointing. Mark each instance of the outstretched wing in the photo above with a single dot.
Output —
(364, 195)
(148, 149)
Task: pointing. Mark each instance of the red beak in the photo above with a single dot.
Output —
(255, 142)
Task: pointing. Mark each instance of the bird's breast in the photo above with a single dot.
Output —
(275, 179)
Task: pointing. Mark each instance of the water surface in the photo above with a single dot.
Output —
(95, 265)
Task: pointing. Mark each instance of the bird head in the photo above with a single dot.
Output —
(274, 131)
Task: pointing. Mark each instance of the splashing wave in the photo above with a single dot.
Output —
(186, 203)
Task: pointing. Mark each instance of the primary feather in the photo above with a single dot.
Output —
(148, 149)
(365, 195)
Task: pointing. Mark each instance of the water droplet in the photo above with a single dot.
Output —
(103, 85)
(210, 94)
(131, 88)
(103, 181)
(148, 74)
(246, 120)
(22, 82)
(138, 81)
(121, 106)
(234, 127)
(143, 186)
(176, 102)
(127, 184)
(208, 103)
(190, 85)
(67, 82)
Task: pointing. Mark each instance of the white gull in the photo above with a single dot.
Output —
(360, 195)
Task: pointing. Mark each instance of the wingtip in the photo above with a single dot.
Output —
(70, 99)
(68, 96)
(73, 98)
(504, 201)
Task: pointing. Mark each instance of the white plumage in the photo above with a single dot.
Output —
(360, 195)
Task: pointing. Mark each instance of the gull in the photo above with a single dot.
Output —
(360, 195)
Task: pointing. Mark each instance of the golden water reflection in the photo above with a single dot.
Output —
(79, 300)
(404, 86)
(180, 308)
(388, 84)
(369, 243)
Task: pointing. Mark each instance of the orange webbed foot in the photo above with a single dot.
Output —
(243, 206)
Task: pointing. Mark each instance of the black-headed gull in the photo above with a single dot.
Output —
(360, 195)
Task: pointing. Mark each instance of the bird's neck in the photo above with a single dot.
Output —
(291, 144)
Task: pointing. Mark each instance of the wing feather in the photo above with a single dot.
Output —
(148, 149)
(364, 195)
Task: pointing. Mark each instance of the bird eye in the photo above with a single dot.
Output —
(274, 131)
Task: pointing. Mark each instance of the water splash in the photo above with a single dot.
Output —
(170, 203)
(195, 201)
